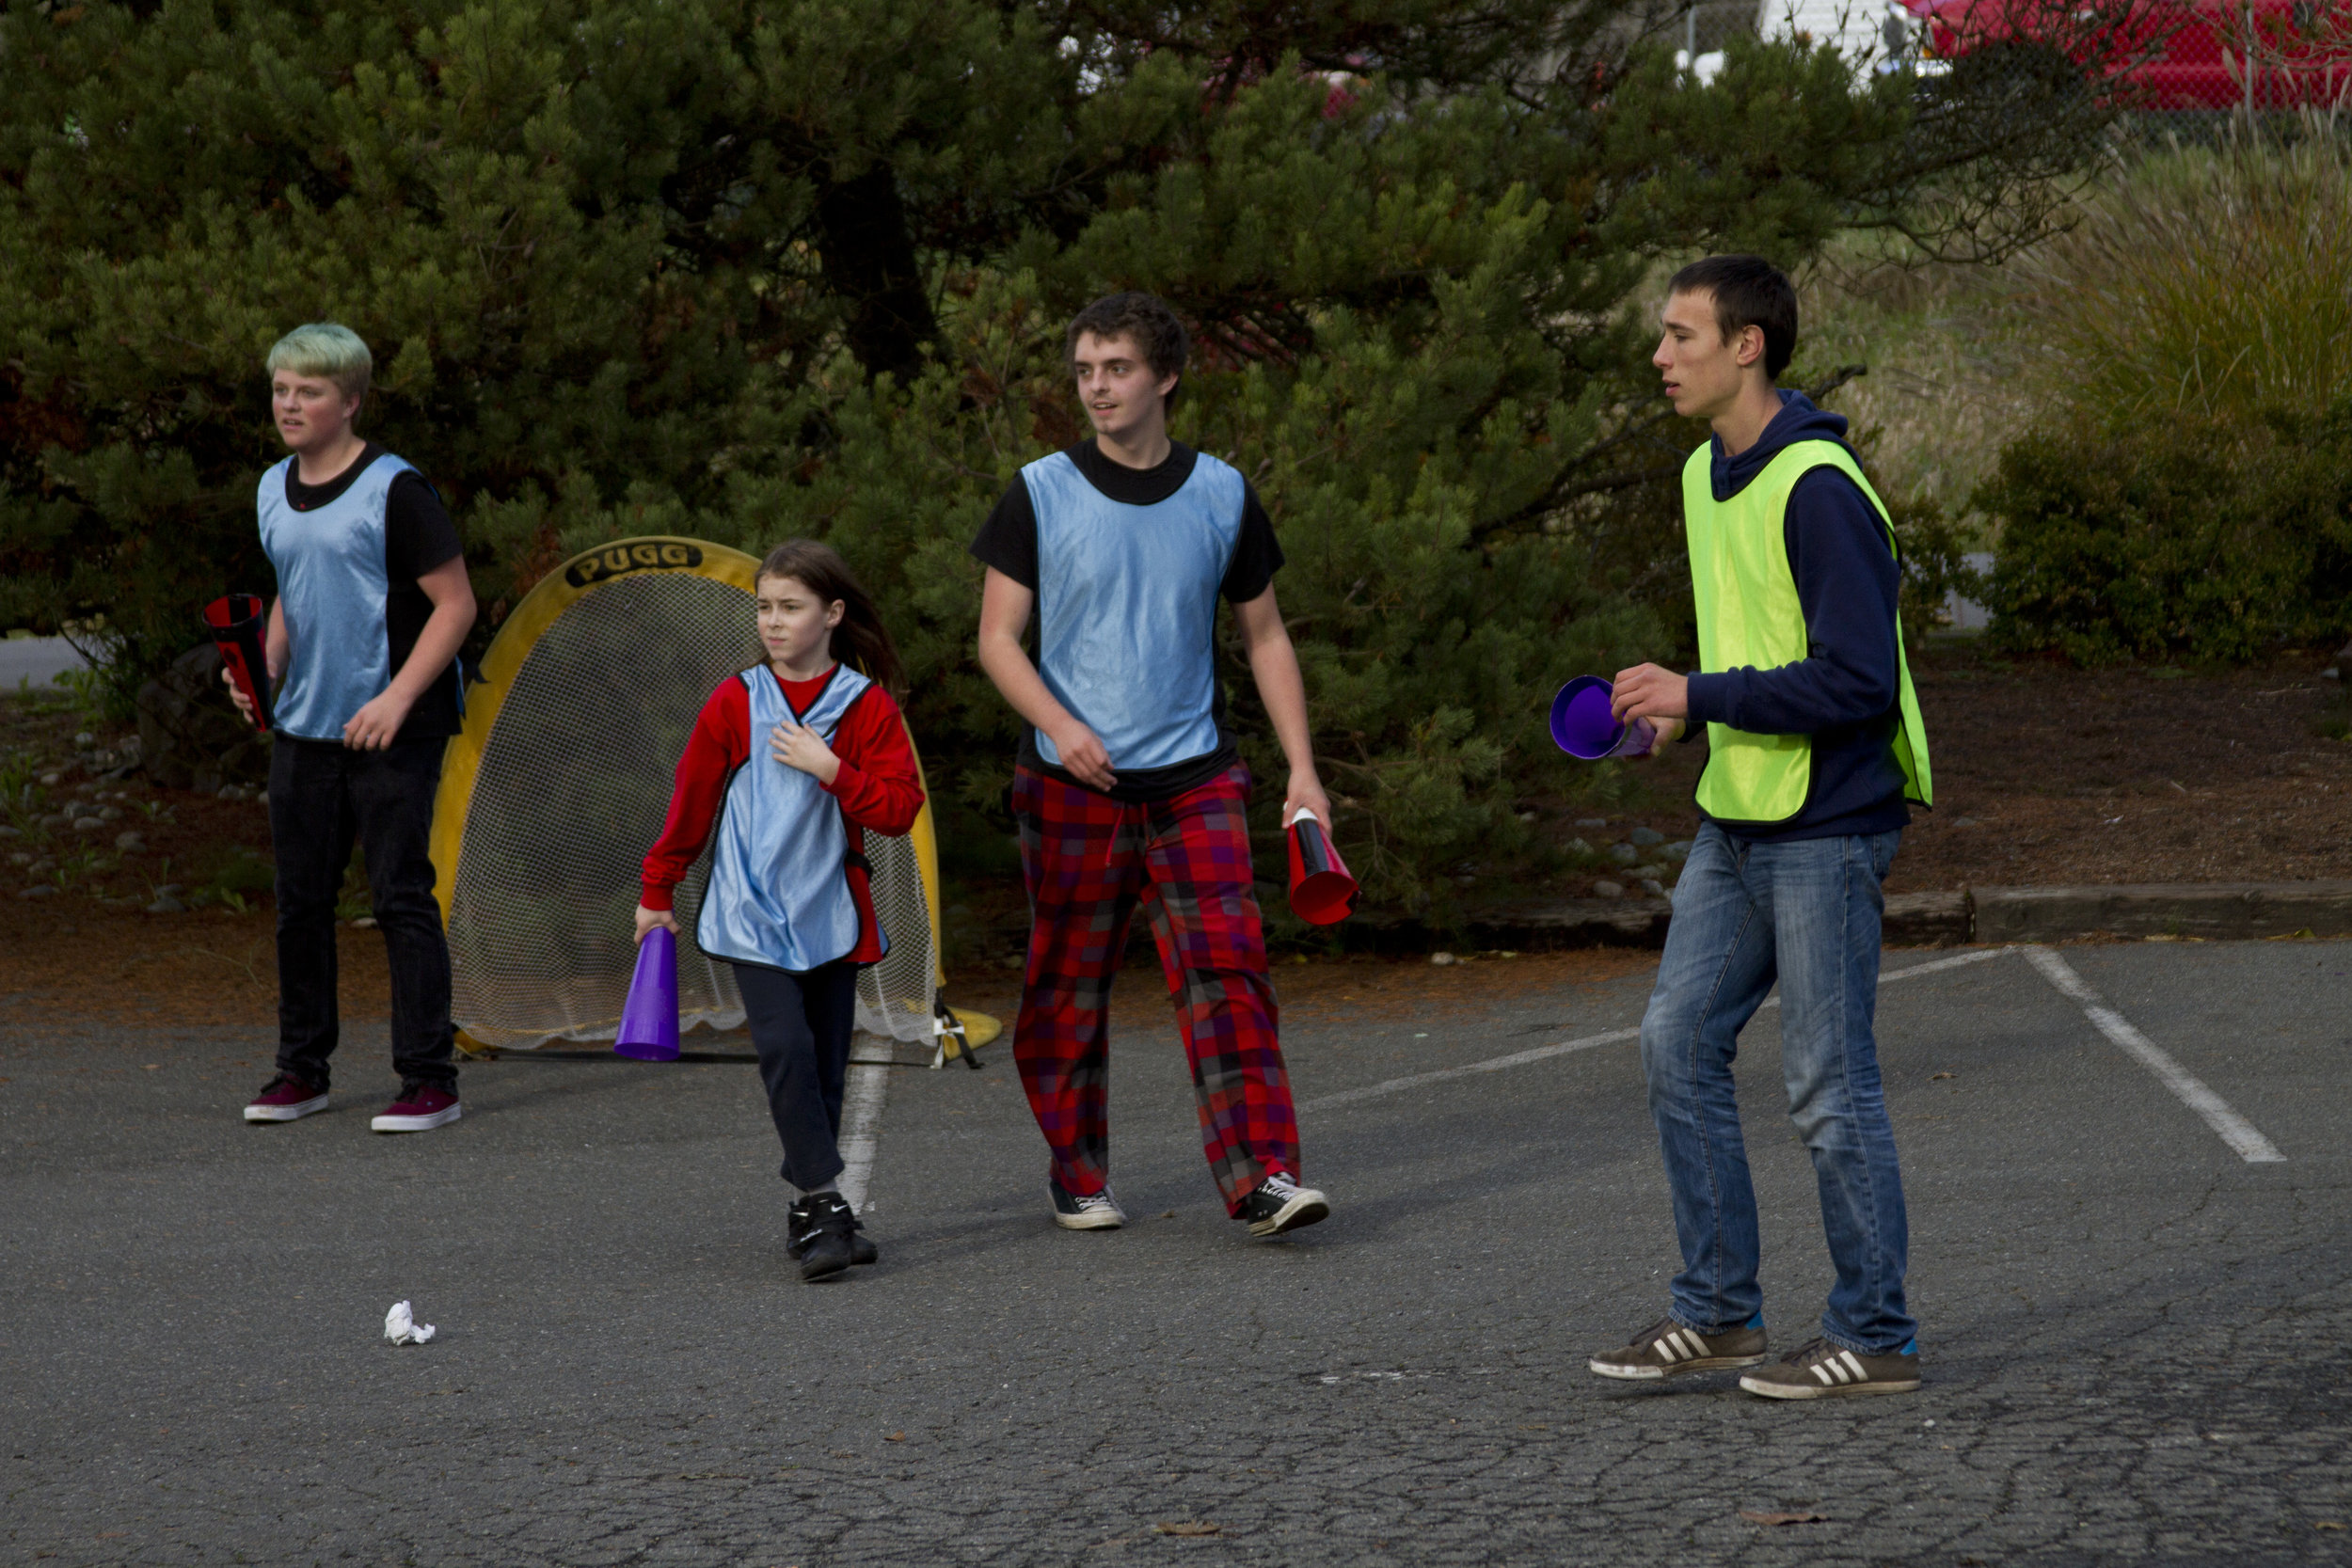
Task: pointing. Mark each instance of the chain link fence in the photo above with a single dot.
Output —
(2178, 64)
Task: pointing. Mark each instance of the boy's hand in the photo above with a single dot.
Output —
(236, 695)
(1083, 755)
(647, 919)
(1669, 731)
(378, 725)
(1646, 691)
(1306, 794)
(798, 746)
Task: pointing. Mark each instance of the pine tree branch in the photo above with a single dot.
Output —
(1565, 487)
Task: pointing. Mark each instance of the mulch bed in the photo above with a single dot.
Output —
(2044, 774)
(2049, 775)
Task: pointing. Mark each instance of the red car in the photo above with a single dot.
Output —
(2169, 55)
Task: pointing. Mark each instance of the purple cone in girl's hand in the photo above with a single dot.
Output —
(649, 1019)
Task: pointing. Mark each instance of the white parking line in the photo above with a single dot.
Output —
(861, 1098)
(2234, 1129)
(1544, 1053)
(1493, 1064)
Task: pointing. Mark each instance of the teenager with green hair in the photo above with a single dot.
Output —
(373, 602)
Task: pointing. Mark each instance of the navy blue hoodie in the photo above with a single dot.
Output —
(1844, 691)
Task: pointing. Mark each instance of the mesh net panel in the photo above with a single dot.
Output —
(574, 781)
(894, 997)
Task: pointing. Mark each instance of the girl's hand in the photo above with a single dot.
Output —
(647, 919)
(798, 746)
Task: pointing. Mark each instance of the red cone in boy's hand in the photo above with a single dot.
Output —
(235, 621)
(1322, 892)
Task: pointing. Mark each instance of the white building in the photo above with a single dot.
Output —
(1867, 32)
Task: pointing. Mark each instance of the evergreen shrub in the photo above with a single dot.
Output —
(2187, 491)
(745, 269)
(2182, 537)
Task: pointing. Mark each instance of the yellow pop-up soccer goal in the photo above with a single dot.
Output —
(557, 787)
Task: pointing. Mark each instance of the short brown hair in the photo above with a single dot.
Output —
(1749, 291)
(1145, 318)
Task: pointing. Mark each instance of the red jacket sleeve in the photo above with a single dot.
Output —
(879, 786)
(718, 745)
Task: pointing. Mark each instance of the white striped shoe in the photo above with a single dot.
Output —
(1093, 1212)
(1668, 1348)
(1819, 1367)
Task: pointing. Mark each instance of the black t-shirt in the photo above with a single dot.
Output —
(1008, 542)
(418, 537)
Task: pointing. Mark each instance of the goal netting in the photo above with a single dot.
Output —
(558, 786)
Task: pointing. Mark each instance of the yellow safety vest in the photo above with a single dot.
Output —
(1749, 615)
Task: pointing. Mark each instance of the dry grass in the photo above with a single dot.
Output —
(1944, 390)
(2215, 281)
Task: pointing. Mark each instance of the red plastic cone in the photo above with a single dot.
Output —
(1322, 892)
(236, 622)
(650, 1018)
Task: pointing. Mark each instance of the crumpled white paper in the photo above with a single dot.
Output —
(402, 1328)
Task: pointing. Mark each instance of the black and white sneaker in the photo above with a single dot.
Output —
(1093, 1212)
(801, 1231)
(828, 1242)
(1278, 1204)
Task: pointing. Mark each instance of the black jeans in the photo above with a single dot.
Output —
(801, 1027)
(322, 796)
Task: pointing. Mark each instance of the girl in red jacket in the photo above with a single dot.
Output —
(793, 762)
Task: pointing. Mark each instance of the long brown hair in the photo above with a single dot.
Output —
(861, 641)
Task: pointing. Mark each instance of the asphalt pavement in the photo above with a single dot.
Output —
(2135, 1321)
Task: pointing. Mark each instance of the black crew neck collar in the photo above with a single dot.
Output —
(310, 498)
(1135, 486)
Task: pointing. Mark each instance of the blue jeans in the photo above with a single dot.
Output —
(1805, 913)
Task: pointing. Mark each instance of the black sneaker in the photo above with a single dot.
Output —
(1278, 1204)
(800, 1231)
(1669, 1349)
(1817, 1368)
(827, 1239)
(1093, 1212)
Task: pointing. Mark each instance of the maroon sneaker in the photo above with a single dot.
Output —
(421, 1108)
(286, 1097)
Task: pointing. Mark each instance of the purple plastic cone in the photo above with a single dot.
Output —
(1582, 726)
(649, 1019)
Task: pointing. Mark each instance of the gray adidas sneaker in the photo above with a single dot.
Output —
(1817, 1367)
(1669, 1349)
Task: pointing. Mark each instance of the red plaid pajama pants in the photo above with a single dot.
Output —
(1089, 860)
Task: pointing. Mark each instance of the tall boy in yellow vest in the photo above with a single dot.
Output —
(1814, 747)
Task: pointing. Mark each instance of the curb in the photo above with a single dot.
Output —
(2204, 911)
(2215, 911)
